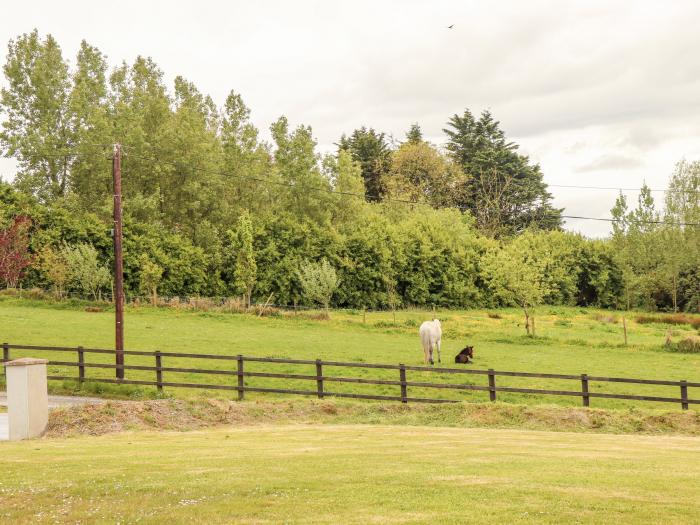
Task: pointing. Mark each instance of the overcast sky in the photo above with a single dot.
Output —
(599, 93)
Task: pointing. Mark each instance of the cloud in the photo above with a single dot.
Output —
(610, 162)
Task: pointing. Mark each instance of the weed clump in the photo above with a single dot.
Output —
(689, 345)
(606, 318)
(674, 319)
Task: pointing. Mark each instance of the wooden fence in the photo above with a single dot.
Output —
(321, 381)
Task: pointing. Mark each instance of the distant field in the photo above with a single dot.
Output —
(570, 340)
(352, 474)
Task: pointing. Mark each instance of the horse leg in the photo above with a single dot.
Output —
(438, 349)
(431, 354)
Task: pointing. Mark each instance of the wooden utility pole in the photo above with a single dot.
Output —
(118, 264)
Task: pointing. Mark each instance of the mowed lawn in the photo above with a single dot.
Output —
(570, 341)
(352, 474)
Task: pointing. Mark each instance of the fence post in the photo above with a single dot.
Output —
(584, 390)
(624, 328)
(402, 378)
(81, 365)
(159, 371)
(492, 385)
(319, 378)
(239, 359)
(5, 357)
(684, 395)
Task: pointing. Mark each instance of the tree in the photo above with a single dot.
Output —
(36, 129)
(55, 267)
(14, 251)
(150, 277)
(246, 269)
(86, 272)
(503, 191)
(346, 180)
(297, 165)
(414, 134)
(683, 242)
(371, 150)
(517, 275)
(420, 173)
(319, 281)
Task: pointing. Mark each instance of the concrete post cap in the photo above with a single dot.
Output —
(27, 361)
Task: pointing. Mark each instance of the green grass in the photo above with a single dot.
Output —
(352, 474)
(570, 340)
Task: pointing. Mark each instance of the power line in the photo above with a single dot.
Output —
(608, 188)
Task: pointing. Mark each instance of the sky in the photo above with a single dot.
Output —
(599, 93)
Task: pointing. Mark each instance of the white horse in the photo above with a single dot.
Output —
(431, 337)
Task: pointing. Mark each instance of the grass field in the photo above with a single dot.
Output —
(570, 340)
(352, 474)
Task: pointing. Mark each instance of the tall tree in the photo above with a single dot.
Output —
(297, 166)
(372, 151)
(37, 126)
(504, 191)
(90, 177)
(246, 268)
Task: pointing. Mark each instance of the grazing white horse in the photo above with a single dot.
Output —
(431, 337)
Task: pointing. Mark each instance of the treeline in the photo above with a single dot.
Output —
(211, 209)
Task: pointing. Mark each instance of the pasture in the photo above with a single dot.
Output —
(569, 340)
(352, 474)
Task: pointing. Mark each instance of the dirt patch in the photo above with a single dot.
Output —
(182, 415)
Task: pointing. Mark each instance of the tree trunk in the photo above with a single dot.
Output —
(527, 319)
(675, 294)
(154, 296)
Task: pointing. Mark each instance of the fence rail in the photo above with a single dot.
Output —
(321, 380)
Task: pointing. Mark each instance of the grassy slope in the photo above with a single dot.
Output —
(352, 474)
(570, 341)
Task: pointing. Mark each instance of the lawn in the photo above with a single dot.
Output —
(570, 341)
(352, 474)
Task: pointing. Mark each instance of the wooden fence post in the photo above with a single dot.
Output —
(239, 359)
(492, 385)
(684, 395)
(81, 365)
(402, 378)
(584, 390)
(319, 378)
(624, 328)
(5, 356)
(159, 371)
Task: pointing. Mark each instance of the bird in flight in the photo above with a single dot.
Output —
(450, 27)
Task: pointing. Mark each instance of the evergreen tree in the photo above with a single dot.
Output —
(414, 134)
(371, 150)
(503, 190)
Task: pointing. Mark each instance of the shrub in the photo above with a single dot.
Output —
(494, 315)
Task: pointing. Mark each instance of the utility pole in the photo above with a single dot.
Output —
(118, 264)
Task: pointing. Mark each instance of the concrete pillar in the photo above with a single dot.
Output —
(27, 398)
